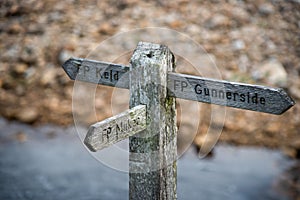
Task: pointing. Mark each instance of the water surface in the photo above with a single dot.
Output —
(49, 162)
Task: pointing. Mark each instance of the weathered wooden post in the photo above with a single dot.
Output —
(153, 152)
(150, 123)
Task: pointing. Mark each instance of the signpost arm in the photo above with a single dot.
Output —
(153, 152)
(225, 93)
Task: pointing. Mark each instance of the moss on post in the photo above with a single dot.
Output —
(153, 152)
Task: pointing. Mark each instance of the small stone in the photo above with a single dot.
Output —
(29, 53)
(35, 28)
(10, 54)
(71, 46)
(30, 72)
(243, 63)
(266, 9)
(271, 45)
(20, 90)
(4, 66)
(217, 21)
(49, 76)
(27, 115)
(14, 9)
(53, 103)
(20, 68)
(238, 45)
(240, 15)
(176, 24)
(15, 28)
(137, 13)
(106, 29)
(64, 55)
(193, 29)
(272, 127)
(55, 16)
(273, 72)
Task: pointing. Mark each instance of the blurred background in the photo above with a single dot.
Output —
(256, 42)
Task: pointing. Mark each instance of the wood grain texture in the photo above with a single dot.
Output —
(97, 72)
(153, 152)
(231, 94)
(114, 129)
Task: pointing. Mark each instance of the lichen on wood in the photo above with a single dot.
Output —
(153, 152)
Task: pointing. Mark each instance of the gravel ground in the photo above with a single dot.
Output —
(251, 41)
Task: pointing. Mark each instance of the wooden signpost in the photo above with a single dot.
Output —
(150, 124)
(220, 92)
(115, 129)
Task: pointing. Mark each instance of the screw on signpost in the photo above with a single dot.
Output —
(150, 123)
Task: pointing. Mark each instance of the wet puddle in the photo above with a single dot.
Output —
(49, 162)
